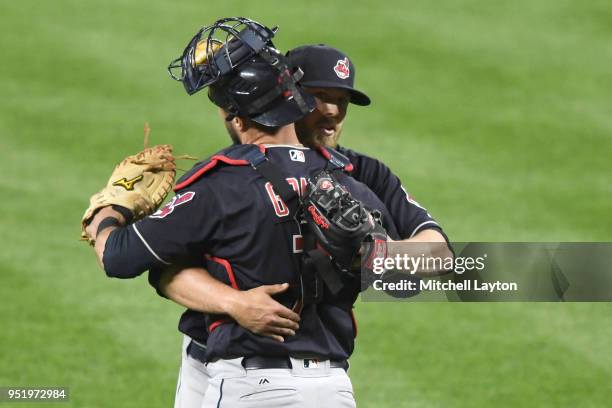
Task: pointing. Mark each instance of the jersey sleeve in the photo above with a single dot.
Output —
(407, 214)
(182, 231)
(155, 275)
(178, 233)
(125, 256)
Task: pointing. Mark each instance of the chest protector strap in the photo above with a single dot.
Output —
(276, 177)
(317, 273)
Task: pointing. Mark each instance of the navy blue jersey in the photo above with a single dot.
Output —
(408, 215)
(228, 217)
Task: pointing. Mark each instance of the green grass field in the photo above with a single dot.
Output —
(497, 116)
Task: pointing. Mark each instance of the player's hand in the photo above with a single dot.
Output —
(259, 313)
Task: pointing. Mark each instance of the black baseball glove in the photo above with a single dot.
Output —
(342, 224)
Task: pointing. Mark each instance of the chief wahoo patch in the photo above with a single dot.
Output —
(168, 209)
(342, 68)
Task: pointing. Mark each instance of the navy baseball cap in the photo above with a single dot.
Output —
(327, 67)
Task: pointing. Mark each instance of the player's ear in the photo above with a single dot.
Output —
(241, 124)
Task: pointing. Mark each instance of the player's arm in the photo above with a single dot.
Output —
(119, 253)
(429, 243)
(386, 243)
(177, 234)
(427, 235)
(126, 252)
(413, 222)
(253, 309)
(410, 218)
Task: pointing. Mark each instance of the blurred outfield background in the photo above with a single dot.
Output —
(497, 116)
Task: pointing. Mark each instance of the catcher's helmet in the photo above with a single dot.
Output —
(245, 74)
(260, 92)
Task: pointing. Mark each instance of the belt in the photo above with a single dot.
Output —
(198, 352)
(257, 362)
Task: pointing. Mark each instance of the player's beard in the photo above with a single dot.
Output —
(310, 135)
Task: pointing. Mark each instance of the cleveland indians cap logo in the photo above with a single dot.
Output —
(342, 68)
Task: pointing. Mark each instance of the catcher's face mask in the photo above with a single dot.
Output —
(217, 49)
(246, 75)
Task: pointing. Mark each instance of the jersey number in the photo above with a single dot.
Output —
(280, 208)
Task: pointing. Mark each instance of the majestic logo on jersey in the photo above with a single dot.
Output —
(342, 68)
(317, 218)
(297, 155)
(128, 184)
(167, 209)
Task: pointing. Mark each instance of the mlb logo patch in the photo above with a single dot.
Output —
(297, 155)
(311, 363)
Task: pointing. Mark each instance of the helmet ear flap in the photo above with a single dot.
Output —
(219, 95)
(232, 112)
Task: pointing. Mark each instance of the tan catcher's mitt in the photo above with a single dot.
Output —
(139, 183)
